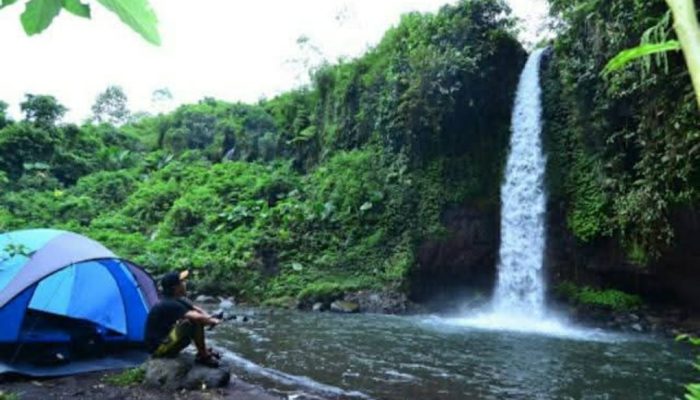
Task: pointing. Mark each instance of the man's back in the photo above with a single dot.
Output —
(162, 318)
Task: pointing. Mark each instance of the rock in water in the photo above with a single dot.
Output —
(317, 307)
(345, 307)
(183, 373)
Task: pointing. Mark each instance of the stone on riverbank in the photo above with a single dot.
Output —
(385, 302)
(183, 373)
(346, 307)
(204, 299)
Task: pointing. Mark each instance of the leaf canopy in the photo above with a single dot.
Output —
(38, 15)
(77, 8)
(139, 15)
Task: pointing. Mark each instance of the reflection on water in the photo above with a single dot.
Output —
(391, 357)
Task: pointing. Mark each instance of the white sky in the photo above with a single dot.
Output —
(228, 49)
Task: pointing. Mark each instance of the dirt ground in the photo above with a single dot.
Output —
(95, 386)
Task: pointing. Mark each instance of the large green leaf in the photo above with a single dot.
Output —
(5, 3)
(629, 55)
(77, 8)
(38, 15)
(138, 15)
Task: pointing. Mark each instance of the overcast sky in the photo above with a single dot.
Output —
(232, 50)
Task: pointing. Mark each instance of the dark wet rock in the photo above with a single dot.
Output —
(183, 373)
(464, 259)
(318, 307)
(201, 377)
(386, 302)
(345, 307)
(167, 373)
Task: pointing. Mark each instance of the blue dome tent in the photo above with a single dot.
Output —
(58, 288)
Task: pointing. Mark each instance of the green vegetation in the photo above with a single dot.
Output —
(624, 147)
(128, 377)
(137, 14)
(611, 299)
(9, 396)
(324, 190)
(693, 388)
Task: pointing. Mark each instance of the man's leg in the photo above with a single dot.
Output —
(177, 340)
(198, 339)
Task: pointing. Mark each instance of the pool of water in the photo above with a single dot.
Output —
(390, 357)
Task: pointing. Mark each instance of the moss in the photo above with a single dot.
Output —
(128, 377)
(611, 299)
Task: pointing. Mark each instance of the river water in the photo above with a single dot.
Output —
(391, 357)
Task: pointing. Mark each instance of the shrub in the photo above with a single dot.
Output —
(612, 299)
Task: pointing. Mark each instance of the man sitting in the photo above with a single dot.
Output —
(175, 322)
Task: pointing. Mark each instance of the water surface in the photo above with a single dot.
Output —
(390, 357)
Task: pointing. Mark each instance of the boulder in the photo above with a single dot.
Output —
(318, 307)
(385, 302)
(201, 377)
(167, 373)
(345, 307)
(182, 372)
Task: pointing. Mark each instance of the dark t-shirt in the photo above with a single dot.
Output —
(162, 318)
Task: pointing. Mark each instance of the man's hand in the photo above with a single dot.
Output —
(214, 322)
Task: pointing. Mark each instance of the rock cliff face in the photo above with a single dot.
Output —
(673, 279)
(465, 260)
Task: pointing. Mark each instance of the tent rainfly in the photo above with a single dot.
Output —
(46, 273)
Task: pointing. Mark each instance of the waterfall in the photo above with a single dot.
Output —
(520, 288)
(518, 302)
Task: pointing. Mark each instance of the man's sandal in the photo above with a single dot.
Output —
(214, 353)
(208, 361)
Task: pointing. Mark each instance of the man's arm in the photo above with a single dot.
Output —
(201, 318)
(200, 310)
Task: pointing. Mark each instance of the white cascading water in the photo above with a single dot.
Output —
(520, 289)
(518, 302)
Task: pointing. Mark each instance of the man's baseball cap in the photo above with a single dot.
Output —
(172, 279)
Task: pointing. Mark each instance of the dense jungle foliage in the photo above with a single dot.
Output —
(322, 190)
(624, 148)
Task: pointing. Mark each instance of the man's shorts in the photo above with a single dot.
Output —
(179, 337)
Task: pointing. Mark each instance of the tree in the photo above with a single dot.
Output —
(161, 100)
(4, 118)
(42, 110)
(137, 14)
(110, 107)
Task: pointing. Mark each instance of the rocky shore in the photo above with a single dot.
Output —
(668, 322)
(98, 386)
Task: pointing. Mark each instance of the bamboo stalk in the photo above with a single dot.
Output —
(685, 22)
